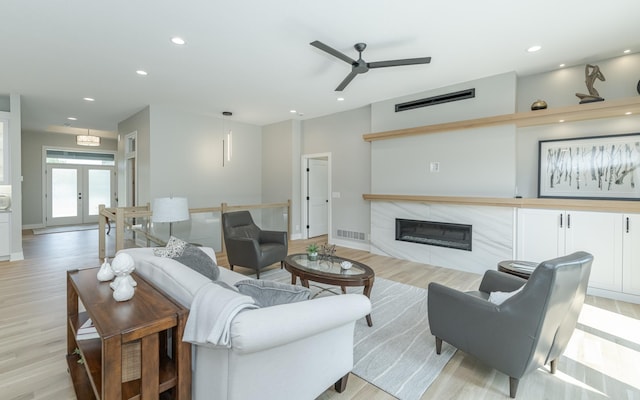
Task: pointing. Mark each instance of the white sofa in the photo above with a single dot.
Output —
(289, 351)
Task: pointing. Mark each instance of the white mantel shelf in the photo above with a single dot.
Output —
(560, 204)
(580, 112)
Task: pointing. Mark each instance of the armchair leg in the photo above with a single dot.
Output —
(438, 345)
(258, 273)
(513, 386)
(341, 384)
(231, 267)
(281, 264)
(554, 366)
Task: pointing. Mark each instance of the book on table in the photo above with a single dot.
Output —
(87, 331)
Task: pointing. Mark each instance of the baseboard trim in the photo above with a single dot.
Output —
(609, 294)
(19, 256)
(33, 226)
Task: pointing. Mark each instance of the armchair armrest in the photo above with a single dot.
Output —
(269, 327)
(494, 281)
(273, 237)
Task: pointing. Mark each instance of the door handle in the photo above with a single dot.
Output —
(560, 220)
(627, 224)
(568, 221)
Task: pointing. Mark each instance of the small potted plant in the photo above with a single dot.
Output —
(312, 251)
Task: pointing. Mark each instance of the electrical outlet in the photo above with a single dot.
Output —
(434, 166)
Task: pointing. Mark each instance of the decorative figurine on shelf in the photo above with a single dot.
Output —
(123, 286)
(591, 72)
(538, 105)
(312, 252)
(105, 273)
(328, 251)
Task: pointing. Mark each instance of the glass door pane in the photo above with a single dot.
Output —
(98, 190)
(64, 192)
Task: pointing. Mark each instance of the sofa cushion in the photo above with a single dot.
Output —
(174, 248)
(198, 261)
(500, 297)
(270, 293)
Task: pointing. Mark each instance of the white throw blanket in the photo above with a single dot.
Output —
(212, 310)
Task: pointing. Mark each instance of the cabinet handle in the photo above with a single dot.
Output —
(568, 221)
(560, 220)
(627, 224)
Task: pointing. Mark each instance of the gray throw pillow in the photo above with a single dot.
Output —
(199, 261)
(270, 293)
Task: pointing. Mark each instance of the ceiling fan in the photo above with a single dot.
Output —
(360, 66)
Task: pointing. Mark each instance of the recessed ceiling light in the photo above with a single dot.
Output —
(561, 120)
(340, 99)
(562, 65)
(628, 113)
(533, 49)
(72, 118)
(88, 99)
(177, 40)
(627, 51)
(141, 72)
(292, 111)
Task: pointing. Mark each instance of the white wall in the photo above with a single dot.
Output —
(341, 135)
(186, 159)
(32, 168)
(494, 95)
(139, 122)
(558, 89)
(473, 162)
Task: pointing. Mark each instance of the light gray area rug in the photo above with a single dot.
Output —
(398, 353)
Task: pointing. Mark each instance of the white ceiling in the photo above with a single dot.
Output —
(253, 57)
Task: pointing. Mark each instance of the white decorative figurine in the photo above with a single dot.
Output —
(123, 286)
(105, 273)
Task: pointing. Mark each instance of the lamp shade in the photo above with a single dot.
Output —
(170, 209)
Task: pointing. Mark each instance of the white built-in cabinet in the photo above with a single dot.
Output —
(631, 254)
(612, 238)
(5, 244)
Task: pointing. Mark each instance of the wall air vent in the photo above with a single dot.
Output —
(432, 101)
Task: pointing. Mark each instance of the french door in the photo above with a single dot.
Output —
(74, 193)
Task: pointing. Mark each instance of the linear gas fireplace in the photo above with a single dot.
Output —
(455, 236)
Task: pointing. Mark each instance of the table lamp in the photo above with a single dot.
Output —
(170, 209)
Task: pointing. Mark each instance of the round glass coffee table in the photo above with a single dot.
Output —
(329, 271)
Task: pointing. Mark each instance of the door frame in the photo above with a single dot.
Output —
(303, 194)
(45, 178)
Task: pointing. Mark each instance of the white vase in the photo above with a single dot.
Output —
(105, 273)
(124, 291)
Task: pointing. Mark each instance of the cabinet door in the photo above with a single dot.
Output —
(631, 254)
(5, 244)
(600, 234)
(540, 234)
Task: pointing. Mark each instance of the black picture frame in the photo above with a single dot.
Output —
(598, 167)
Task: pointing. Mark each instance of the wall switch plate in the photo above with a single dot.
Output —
(434, 166)
(335, 195)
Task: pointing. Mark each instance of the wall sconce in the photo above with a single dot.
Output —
(88, 140)
(229, 145)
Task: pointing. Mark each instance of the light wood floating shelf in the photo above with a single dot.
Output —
(580, 112)
(560, 204)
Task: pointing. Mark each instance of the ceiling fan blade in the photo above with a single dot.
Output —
(333, 52)
(397, 63)
(346, 81)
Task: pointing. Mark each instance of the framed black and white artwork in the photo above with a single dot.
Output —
(598, 167)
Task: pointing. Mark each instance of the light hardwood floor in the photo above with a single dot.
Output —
(602, 361)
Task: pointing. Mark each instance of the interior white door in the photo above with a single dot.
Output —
(74, 193)
(317, 197)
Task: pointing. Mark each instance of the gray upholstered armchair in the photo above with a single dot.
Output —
(528, 330)
(249, 246)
